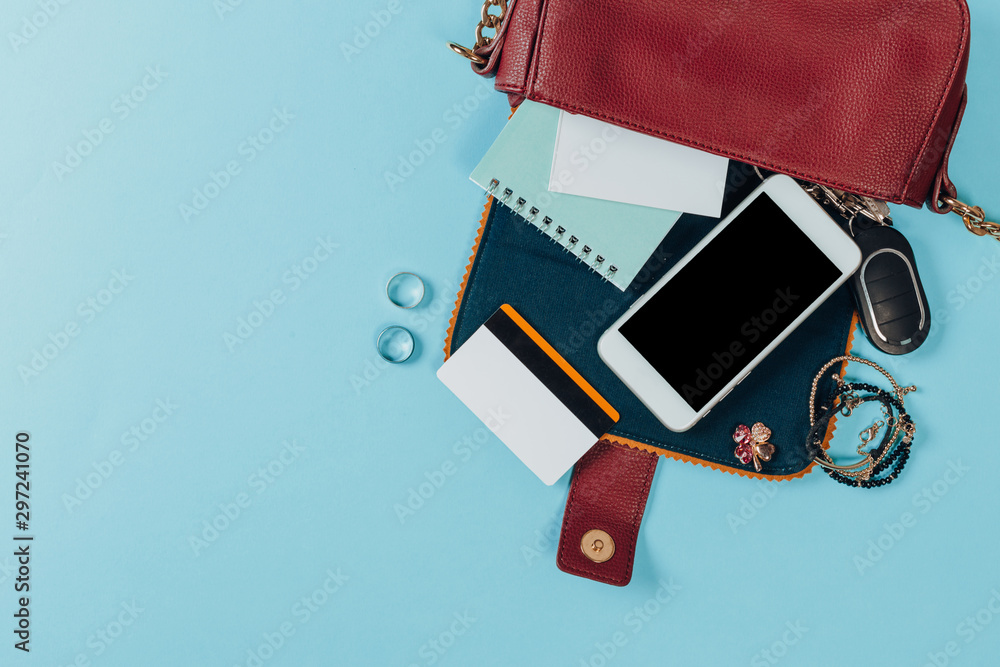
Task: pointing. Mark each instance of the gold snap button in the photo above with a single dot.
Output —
(597, 545)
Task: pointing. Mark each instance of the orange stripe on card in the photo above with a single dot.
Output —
(563, 364)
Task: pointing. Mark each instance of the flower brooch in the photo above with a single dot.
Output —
(752, 444)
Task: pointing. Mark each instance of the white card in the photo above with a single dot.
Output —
(595, 159)
(528, 395)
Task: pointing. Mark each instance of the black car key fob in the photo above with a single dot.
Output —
(891, 302)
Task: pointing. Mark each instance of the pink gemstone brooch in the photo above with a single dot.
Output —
(752, 444)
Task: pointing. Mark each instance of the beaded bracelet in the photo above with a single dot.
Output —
(889, 455)
(879, 460)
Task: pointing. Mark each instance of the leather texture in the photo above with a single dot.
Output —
(609, 491)
(942, 183)
(852, 95)
(512, 72)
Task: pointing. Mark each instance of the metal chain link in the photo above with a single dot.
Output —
(974, 218)
(489, 22)
(850, 205)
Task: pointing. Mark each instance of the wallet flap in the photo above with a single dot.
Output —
(607, 499)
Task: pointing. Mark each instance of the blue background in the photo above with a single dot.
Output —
(469, 576)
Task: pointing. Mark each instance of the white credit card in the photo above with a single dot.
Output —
(527, 394)
(595, 159)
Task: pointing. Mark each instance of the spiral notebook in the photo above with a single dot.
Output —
(611, 238)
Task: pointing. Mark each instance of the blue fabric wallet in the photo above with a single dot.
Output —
(571, 307)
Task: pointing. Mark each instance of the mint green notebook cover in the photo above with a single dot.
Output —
(611, 238)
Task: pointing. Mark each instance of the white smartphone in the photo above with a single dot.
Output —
(701, 329)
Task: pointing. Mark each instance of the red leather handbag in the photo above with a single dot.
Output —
(864, 97)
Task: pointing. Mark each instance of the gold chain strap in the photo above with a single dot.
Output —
(974, 218)
(489, 22)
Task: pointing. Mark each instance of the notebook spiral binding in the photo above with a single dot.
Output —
(545, 226)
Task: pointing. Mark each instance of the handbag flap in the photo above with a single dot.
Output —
(860, 96)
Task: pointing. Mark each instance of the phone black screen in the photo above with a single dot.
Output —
(730, 301)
